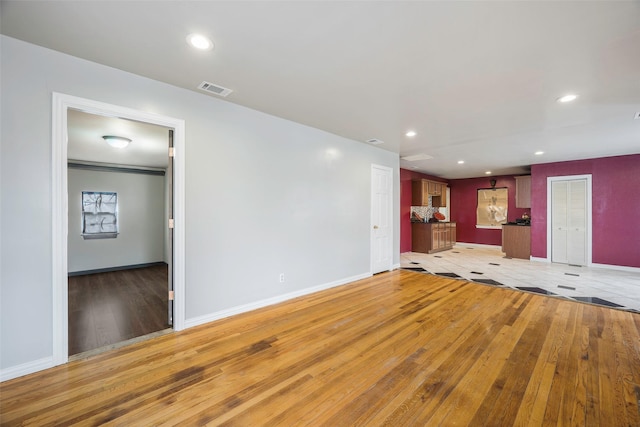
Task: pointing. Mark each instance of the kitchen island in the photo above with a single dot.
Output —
(516, 241)
(430, 237)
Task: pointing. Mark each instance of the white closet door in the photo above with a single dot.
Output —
(559, 190)
(577, 223)
(569, 222)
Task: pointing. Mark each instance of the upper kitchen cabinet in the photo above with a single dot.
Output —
(523, 191)
(435, 188)
(422, 189)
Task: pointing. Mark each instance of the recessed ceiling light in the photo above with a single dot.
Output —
(116, 141)
(487, 173)
(411, 133)
(539, 153)
(199, 41)
(567, 98)
(460, 162)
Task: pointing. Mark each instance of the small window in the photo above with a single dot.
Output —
(99, 215)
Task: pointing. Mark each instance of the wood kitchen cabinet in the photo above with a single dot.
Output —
(523, 191)
(420, 193)
(434, 188)
(433, 237)
(516, 241)
(422, 189)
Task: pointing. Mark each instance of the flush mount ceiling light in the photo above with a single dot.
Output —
(487, 173)
(460, 162)
(200, 42)
(411, 133)
(116, 141)
(567, 98)
(539, 153)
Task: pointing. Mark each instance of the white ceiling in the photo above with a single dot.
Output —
(149, 145)
(477, 80)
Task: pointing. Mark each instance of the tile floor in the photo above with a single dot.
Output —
(484, 264)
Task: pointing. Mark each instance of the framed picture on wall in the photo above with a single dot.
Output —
(99, 215)
(491, 210)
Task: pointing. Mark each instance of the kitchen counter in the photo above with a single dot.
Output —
(430, 237)
(516, 240)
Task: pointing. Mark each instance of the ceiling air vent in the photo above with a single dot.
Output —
(216, 89)
(416, 157)
(375, 141)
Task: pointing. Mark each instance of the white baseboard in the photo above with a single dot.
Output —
(616, 267)
(26, 368)
(594, 265)
(200, 320)
(395, 266)
(537, 259)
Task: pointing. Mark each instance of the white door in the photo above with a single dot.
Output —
(569, 216)
(381, 219)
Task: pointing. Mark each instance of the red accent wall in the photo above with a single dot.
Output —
(615, 207)
(464, 198)
(406, 176)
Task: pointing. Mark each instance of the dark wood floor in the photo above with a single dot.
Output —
(107, 308)
(397, 349)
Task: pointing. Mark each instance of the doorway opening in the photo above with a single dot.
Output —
(119, 245)
(65, 227)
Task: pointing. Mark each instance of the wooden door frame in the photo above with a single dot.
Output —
(61, 103)
(588, 178)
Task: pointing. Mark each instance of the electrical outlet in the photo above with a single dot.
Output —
(281, 277)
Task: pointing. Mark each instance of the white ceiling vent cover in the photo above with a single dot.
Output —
(375, 141)
(216, 89)
(417, 157)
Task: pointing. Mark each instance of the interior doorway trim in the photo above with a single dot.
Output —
(550, 180)
(59, 214)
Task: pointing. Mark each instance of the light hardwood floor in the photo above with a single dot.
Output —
(398, 349)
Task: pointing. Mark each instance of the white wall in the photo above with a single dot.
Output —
(263, 195)
(141, 220)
